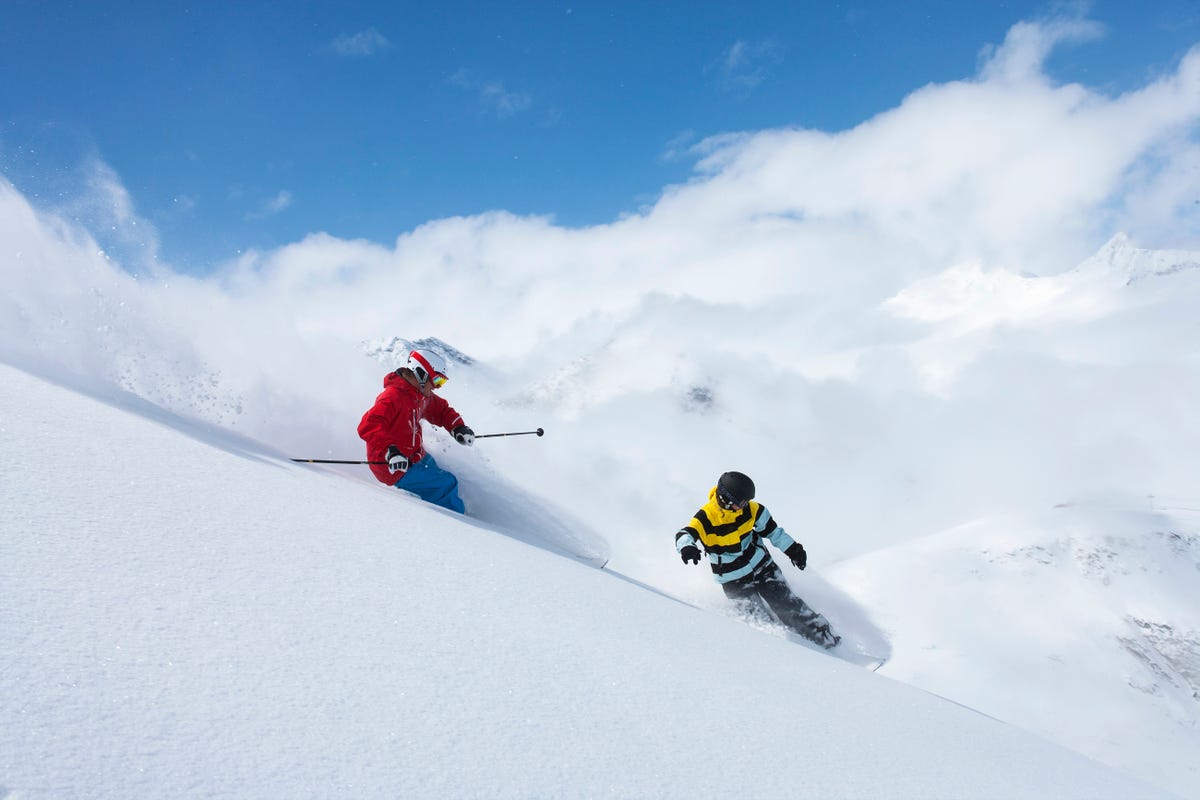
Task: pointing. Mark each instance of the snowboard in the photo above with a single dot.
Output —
(849, 652)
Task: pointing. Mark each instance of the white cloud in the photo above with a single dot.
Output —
(1027, 45)
(364, 43)
(272, 206)
(494, 96)
(680, 146)
(104, 206)
(279, 202)
(1007, 170)
(1163, 203)
(504, 102)
(744, 65)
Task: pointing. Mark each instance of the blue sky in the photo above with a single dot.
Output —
(248, 125)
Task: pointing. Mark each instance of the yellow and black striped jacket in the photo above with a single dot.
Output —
(733, 539)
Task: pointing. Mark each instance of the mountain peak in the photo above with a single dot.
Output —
(1132, 264)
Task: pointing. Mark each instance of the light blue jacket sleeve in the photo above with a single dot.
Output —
(684, 537)
(766, 527)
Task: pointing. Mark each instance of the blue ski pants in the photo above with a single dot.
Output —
(432, 484)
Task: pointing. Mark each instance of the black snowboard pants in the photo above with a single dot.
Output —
(765, 592)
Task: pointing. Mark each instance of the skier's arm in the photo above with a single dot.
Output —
(440, 413)
(376, 424)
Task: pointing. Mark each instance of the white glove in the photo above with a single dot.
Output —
(396, 460)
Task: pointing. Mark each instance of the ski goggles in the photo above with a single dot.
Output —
(729, 504)
(439, 380)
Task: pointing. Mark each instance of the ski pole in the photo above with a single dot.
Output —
(539, 432)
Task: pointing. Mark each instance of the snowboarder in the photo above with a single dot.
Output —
(392, 430)
(731, 527)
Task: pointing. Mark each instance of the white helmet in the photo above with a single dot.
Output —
(427, 365)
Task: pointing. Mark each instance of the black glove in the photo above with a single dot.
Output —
(396, 460)
(797, 555)
(690, 553)
(464, 435)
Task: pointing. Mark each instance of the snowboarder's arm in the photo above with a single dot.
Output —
(767, 528)
(687, 536)
(779, 537)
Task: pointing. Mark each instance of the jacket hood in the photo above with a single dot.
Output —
(713, 509)
(719, 515)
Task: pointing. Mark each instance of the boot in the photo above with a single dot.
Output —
(824, 636)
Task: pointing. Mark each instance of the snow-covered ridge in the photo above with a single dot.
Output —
(1121, 258)
(973, 297)
(393, 351)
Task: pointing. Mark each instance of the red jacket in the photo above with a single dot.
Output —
(396, 419)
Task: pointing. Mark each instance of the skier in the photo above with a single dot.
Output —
(392, 430)
(731, 526)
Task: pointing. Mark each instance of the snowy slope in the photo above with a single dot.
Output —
(185, 616)
(1081, 623)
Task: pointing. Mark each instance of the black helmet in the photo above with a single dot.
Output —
(734, 490)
